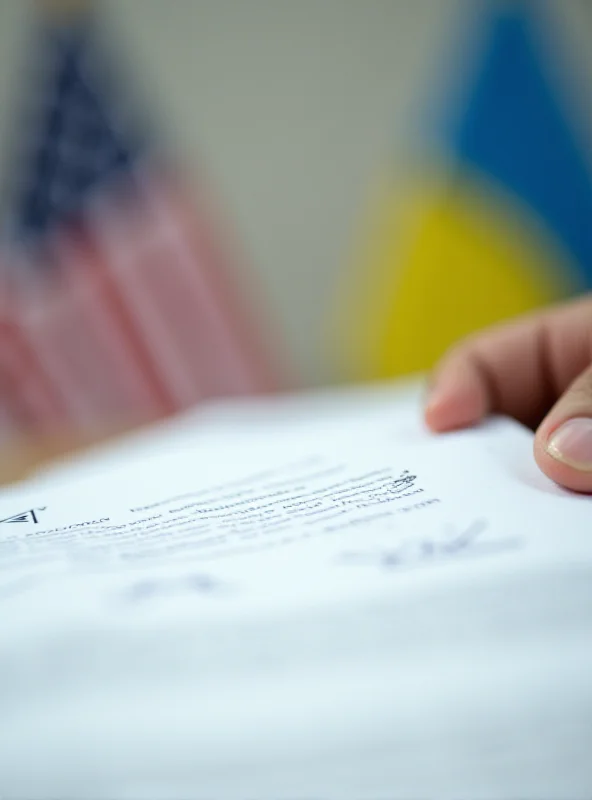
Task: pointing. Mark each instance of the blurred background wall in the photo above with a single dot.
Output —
(291, 107)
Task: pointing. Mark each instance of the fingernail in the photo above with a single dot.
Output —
(571, 443)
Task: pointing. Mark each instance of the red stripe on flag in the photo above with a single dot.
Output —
(44, 325)
(32, 391)
(123, 245)
(136, 388)
(15, 418)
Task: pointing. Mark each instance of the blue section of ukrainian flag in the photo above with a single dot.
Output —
(514, 131)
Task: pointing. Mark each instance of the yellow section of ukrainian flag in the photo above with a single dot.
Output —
(449, 260)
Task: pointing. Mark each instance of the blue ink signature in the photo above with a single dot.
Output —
(196, 584)
(415, 551)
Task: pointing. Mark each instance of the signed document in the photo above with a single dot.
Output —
(382, 614)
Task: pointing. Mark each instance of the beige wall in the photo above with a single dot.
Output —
(291, 105)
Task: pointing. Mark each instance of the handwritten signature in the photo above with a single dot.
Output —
(451, 543)
(196, 584)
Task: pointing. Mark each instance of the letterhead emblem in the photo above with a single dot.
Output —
(31, 515)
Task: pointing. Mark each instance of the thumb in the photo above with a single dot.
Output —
(563, 442)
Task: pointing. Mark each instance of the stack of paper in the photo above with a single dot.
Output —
(307, 604)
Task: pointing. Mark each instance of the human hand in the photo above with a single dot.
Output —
(538, 370)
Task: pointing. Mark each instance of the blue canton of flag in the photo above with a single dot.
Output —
(74, 146)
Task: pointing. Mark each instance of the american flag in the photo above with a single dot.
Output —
(117, 303)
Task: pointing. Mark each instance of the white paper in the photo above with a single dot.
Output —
(335, 415)
(397, 616)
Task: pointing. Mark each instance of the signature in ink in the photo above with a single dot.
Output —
(196, 584)
(415, 551)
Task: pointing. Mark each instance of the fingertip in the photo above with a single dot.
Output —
(554, 465)
(562, 474)
(455, 401)
(441, 414)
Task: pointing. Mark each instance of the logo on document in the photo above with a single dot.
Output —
(31, 515)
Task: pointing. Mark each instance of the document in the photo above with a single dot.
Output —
(383, 614)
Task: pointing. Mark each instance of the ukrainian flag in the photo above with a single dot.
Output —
(497, 219)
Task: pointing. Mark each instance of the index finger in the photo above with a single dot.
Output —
(518, 369)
